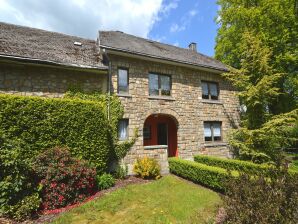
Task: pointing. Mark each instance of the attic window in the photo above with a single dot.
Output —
(77, 43)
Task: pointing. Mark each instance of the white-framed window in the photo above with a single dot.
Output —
(123, 81)
(210, 90)
(159, 85)
(123, 129)
(212, 131)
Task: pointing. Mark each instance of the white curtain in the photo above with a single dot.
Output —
(213, 89)
(122, 78)
(153, 84)
(216, 130)
(205, 88)
(207, 130)
(165, 82)
(122, 130)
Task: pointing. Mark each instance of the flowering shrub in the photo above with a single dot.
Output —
(147, 168)
(64, 180)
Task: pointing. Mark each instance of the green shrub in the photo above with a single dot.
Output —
(64, 180)
(257, 200)
(147, 168)
(232, 164)
(209, 176)
(105, 181)
(45, 123)
(17, 182)
(25, 208)
(121, 172)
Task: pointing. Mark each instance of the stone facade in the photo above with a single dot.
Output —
(47, 81)
(185, 105)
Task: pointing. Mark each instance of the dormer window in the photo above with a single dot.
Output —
(123, 82)
(210, 90)
(159, 85)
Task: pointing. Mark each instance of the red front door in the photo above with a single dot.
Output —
(163, 131)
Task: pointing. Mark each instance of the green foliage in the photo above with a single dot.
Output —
(257, 200)
(25, 208)
(45, 123)
(147, 168)
(17, 182)
(122, 147)
(233, 164)
(64, 180)
(121, 171)
(105, 181)
(274, 23)
(256, 81)
(114, 112)
(209, 176)
(259, 39)
(264, 144)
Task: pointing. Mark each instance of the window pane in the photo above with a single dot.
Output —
(205, 90)
(216, 129)
(207, 129)
(153, 84)
(122, 129)
(213, 91)
(165, 82)
(122, 81)
(147, 132)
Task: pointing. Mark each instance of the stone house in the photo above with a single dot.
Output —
(175, 97)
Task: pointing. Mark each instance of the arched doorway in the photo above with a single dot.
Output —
(161, 130)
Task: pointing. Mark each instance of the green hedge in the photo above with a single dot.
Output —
(233, 164)
(39, 124)
(213, 177)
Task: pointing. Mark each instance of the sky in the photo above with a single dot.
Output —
(176, 22)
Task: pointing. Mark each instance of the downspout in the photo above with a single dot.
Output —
(109, 83)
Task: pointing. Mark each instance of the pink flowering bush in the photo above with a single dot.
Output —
(64, 180)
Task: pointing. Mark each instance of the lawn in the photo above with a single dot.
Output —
(168, 200)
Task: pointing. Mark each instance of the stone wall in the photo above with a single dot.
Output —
(186, 105)
(47, 81)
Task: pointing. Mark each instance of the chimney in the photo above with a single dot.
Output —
(193, 46)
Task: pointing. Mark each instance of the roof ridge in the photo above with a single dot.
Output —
(43, 30)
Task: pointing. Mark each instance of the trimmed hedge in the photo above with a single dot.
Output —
(232, 164)
(40, 124)
(213, 177)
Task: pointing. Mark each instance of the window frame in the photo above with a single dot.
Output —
(127, 124)
(147, 129)
(209, 89)
(126, 69)
(212, 131)
(159, 84)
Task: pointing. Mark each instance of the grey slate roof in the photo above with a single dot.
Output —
(30, 43)
(128, 43)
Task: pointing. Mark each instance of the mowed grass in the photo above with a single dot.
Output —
(168, 200)
(294, 165)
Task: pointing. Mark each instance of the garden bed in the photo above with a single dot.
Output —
(48, 216)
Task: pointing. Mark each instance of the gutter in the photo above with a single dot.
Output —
(163, 58)
(49, 62)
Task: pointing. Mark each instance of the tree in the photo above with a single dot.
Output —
(275, 24)
(258, 39)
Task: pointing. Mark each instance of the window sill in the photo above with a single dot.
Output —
(124, 95)
(161, 98)
(215, 144)
(148, 147)
(212, 101)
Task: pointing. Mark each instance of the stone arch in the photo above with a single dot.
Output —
(173, 114)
